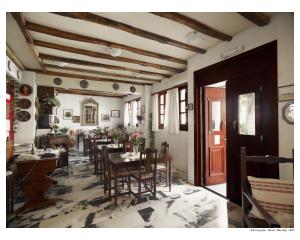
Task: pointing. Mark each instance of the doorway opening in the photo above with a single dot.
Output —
(214, 160)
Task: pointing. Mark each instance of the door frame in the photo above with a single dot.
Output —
(263, 58)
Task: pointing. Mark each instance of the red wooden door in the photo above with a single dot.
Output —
(215, 140)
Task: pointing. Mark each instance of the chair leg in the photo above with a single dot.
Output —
(139, 189)
(170, 176)
(129, 185)
(154, 190)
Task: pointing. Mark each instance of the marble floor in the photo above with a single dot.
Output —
(219, 188)
(81, 203)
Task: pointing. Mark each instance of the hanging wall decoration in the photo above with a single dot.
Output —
(132, 89)
(57, 81)
(23, 116)
(24, 103)
(25, 90)
(84, 84)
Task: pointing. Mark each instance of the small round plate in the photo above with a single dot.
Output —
(116, 86)
(57, 81)
(24, 103)
(25, 90)
(132, 89)
(23, 116)
(84, 84)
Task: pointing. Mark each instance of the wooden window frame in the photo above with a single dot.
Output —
(183, 127)
(164, 94)
(129, 113)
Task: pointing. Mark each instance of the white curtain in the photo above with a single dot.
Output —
(126, 115)
(172, 111)
(134, 113)
(155, 113)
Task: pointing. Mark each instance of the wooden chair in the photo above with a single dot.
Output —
(109, 174)
(165, 164)
(146, 172)
(142, 145)
(63, 160)
(248, 201)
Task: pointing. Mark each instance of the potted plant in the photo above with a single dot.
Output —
(136, 139)
(116, 134)
(55, 128)
(64, 130)
(52, 101)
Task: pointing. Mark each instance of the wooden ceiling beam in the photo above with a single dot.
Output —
(101, 65)
(83, 70)
(197, 26)
(257, 18)
(77, 37)
(104, 56)
(79, 76)
(89, 93)
(130, 29)
(18, 16)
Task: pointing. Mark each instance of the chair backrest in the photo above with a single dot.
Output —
(105, 156)
(142, 145)
(165, 148)
(258, 159)
(148, 159)
(127, 146)
(48, 155)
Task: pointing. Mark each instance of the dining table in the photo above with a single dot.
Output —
(112, 148)
(130, 160)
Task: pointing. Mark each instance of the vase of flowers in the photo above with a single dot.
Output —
(116, 134)
(136, 139)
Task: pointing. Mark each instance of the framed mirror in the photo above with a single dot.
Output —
(89, 112)
(288, 112)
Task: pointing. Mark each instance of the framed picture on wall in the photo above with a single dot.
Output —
(68, 113)
(115, 113)
(76, 119)
(105, 118)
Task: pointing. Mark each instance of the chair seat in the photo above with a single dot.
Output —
(160, 167)
(144, 176)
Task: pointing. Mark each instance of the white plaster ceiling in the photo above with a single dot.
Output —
(228, 23)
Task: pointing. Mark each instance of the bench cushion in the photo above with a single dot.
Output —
(276, 196)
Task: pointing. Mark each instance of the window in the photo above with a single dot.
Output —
(247, 114)
(133, 110)
(129, 113)
(138, 107)
(161, 109)
(183, 113)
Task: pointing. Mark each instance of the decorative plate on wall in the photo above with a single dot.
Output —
(116, 86)
(84, 84)
(24, 103)
(57, 81)
(23, 116)
(132, 89)
(25, 90)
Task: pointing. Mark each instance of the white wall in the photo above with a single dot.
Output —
(178, 142)
(281, 29)
(73, 83)
(73, 101)
(25, 132)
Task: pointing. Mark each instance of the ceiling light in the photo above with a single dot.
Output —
(62, 64)
(232, 52)
(115, 52)
(194, 37)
